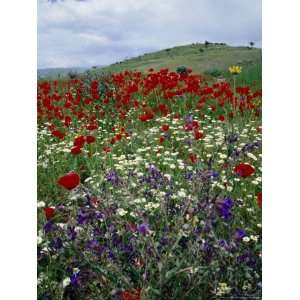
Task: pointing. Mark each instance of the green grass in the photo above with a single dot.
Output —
(250, 74)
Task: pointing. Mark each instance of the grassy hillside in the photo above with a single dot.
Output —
(212, 60)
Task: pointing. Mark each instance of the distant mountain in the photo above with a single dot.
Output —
(53, 73)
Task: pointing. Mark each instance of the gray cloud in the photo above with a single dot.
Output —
(97, 32)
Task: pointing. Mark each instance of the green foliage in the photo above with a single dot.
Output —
(214, 72)
(251, 75)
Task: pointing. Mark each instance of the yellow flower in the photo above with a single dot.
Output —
(235, 70)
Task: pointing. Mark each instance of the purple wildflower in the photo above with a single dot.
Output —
(71, 233)
(75, 278)
(56, 244)
(239, 234)
(189, 118)
(81, 216)
(143, 228)
(49, 226)
(224, 207)
(232, 138)
(113, 177)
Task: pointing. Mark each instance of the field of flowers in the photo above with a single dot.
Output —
(149, 187)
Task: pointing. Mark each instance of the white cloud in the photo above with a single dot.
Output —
(97, 32)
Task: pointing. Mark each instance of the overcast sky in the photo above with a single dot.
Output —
(74, 33)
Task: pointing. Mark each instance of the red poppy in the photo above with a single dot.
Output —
(94, 201)
(143, 118)
(244, 170)
(90, 139)
(68, 104)
(106, 101)
(106, 149)
(161, 139)
(79, 141)
(69, 181)
(68, 121)
(163, 108)
(198, 134)
(75, 150)
(195, 124)
(131, 295)
(88, 101)
(58, 134)
(259, 199)
(188, 127)
(193, 157)
(221, 118)
(132, 227)
(51, 127)
(49, 212)
(225, 166)
(91, 126)
(118, 137)
(165, 127)
(177, 116)
(146, 116)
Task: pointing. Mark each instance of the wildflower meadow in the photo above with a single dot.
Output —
(149, 187)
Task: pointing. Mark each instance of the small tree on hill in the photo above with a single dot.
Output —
(182, 70)
(207, 43)
(72, 75)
